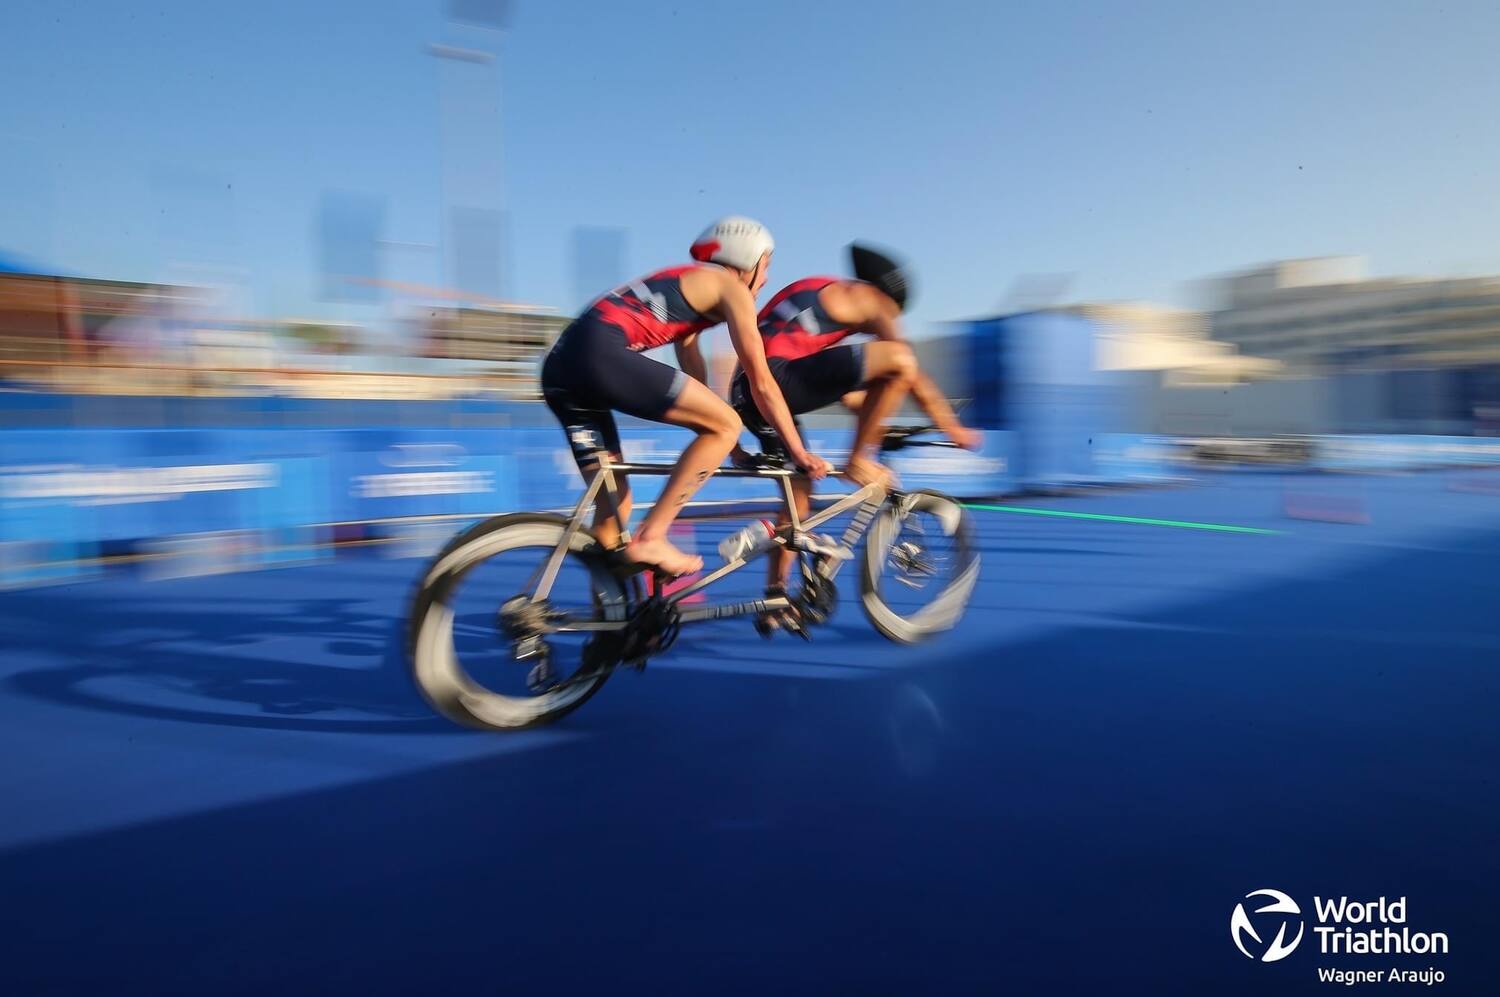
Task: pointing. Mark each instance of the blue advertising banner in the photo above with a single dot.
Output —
(64, 493)
(128, 484)
(392, 473)
(1136, 458)
(1354, 453)
(85, 487)
(986, 474)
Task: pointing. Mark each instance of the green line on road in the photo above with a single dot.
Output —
(1137, 520)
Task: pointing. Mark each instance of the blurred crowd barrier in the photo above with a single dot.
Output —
(259, 482)
(277, 479)
(1141, 458)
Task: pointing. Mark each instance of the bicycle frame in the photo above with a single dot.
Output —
(868, 499)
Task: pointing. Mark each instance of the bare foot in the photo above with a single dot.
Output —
(970, 439)
(661, 555)
(863, 471)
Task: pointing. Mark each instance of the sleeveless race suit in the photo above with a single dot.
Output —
(596, 367)
(803, 351)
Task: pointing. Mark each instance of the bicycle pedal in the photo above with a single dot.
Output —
(793, 622)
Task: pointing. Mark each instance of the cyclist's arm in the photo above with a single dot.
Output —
(932, 401)
(690, 357)
(738, 309)
(870, 312)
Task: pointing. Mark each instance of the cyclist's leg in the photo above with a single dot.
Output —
(807, 383)
(591, 431)
(695, 407)
(608, 375)
(610, 521)
(610, 518)
(778, 562)
(778, 558)
(573, 390)
(743, 403)
(890, 368)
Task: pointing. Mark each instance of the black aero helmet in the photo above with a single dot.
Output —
(876, 268)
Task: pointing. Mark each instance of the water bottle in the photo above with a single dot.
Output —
(758, 536)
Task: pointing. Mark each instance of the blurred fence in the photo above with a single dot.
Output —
(274, 479)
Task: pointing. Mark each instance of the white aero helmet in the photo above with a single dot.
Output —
(735, 241)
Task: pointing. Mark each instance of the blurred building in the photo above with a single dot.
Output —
(350, 227)
(41, 320)
(598, 262)
(1153, 349)
(49, 321)
(1140, 336)
(1324, 315)
(1064, 375)
(107, 337)
(515, 337)
(1398, 354)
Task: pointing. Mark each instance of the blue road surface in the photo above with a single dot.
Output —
(227, 784)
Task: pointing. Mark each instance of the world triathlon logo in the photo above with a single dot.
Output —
(1276, 916)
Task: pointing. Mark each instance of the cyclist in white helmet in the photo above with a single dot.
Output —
(596, 368)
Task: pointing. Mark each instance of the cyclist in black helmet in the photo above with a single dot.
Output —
(803, 328)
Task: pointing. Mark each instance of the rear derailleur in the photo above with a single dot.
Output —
(525, 622)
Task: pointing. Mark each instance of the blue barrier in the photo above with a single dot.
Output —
(43, 541)
(291, 518)
(989, 473)
(1135, 458)
(393, 473)
(64, 492)
(1386, 453)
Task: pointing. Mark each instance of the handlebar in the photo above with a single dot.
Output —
(897, 437)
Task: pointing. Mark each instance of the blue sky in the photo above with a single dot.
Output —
(1134, 146)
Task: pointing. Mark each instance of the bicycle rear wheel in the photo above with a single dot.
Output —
(920, 566)
(473, 613)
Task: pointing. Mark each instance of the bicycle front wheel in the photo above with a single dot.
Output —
(484, 653)
(920, 566)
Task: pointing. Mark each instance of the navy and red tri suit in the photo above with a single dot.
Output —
(651, 311)
(794, 323)
(804, 350)
(596, 367)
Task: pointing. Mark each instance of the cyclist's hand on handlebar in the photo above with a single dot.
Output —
(812, 465)
(969, 439)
